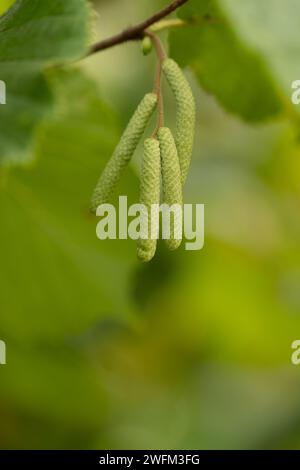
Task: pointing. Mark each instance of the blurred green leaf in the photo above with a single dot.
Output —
(65, 277)
(33, 36)
(224, 65)
(271, 28)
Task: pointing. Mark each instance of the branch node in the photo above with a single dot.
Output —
(136, 32)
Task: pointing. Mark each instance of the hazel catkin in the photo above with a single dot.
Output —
(150, 195)
(186, 114)
(124, 151)
(172, 187)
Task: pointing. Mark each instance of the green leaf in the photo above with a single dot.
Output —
(33, 36)
(223, 64)
(66, 277)
(271, 28)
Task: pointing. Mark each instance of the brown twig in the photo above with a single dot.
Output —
(135, 32)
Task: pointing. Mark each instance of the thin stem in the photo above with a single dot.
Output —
(138, 31)
(161, 56)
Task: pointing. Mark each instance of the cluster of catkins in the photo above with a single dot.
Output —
(165, 158)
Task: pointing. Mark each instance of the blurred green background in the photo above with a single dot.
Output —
(190, 351)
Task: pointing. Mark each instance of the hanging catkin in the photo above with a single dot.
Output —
(186, 112)
(150, 195)
(124, 151)
(172, 188)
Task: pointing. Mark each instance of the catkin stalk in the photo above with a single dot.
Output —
(123, 152)
(186, 114)
(172, 187)
(150, 195)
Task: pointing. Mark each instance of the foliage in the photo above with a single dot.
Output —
(193, 350)
(225, 65)
(25, 53)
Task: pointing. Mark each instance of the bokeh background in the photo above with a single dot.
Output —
(190, 351)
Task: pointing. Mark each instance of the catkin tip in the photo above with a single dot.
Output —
(150, 141)
(145, 255)
(163, 131)
(169, 62)
(173, 244)
(151, 97)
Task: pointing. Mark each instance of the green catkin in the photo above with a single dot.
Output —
(150, 194)
(171, 180)
(124, 151)
(186, 114)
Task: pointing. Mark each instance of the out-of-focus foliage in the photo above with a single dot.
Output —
(192, 350)
(5, 4)
(224, 65)
(45, 217)
(33, 36)
(270, 28)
